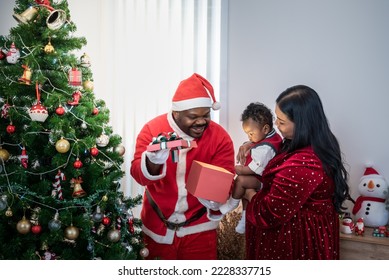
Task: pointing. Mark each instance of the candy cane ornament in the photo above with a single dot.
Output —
(57, 190)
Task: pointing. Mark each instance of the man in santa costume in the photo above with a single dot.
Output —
(175, 223)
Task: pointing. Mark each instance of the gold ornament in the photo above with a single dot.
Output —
(62, 145)
(72, 232)
(27, 16)
(9, 212)
(4, 154)
(23, 226)
(100, 229)
(49, 47)
(105, 198)
(114, 235)
(88, 85)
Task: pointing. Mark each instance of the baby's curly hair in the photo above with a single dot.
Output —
(258, 112)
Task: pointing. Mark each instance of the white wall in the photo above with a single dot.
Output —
(339, 48)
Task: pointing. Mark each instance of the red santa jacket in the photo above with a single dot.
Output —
(168, 189)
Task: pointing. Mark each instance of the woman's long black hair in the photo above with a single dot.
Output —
(304, 108)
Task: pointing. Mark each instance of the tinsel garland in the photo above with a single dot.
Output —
(231, 245)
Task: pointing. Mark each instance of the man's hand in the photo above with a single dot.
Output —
(158, 157)
(210, 204)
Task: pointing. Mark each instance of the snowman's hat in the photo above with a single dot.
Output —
(370, 171)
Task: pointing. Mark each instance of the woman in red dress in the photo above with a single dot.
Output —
(295, 216)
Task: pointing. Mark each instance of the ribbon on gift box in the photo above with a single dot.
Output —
(166, 141)
(163, 138)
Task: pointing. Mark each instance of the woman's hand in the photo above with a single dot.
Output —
(244, 150)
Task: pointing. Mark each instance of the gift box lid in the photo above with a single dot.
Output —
(174, 144)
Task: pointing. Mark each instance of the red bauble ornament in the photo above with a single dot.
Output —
(36, 229)
(11, 128)
(77, 164)
(2, 55)
(94, 151)
(60, 111)
(95, 111)
(106, 221)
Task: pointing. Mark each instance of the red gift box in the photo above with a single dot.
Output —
(174, 145)
(209, 181)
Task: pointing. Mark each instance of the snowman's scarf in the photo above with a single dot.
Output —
(358, 203)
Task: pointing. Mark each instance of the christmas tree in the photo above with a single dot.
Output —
(60, 161)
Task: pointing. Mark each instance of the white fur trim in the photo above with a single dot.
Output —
(191, 103)
(197, 228)
(167, 239)
(147, 174)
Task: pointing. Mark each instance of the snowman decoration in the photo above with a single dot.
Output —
(370, 205)
(13, 54)
(347, 226)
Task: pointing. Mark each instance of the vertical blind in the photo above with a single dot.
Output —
(147, 47)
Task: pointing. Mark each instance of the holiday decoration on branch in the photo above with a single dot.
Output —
(102, 140)
(85, 61)
(72, 232)
(76, 96)
(2, 54)
(57, 189)
(75, 184)
(24, 158)
(88, 85)
(120, 150)
(55, 224)
(11, 128)
(49, 47)
(77, 164)
(28, 15)
(38, 112)
(62, 146)
(95, 111)
(26, 78)
(60, 110)
(75, 77)
(94, 151)
(4, 110)
(13, 54)
(54, 131)
(23, 226)
(4, 155)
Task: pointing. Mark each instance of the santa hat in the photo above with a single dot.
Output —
(370, 171)
(194, 92)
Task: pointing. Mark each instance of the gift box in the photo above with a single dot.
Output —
(210, 182)
(173, 144)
